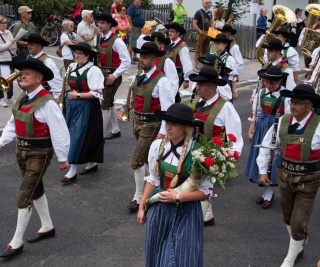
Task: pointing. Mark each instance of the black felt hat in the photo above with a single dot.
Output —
(179, 113)
(176, 26)
(157, 36)
(228, 28)
(108, 18)
(207, 75)
(221, 37)
(36, 38)
(285, 31)
(274, 43)
(149, 48)
(84, 47)
(37, 65)
(272, 73)
(303, 91)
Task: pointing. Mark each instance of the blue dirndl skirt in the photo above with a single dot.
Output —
(174, 235)
(262, 125)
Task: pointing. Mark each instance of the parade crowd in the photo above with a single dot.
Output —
(75, 117)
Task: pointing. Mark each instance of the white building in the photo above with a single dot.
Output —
(193, 5)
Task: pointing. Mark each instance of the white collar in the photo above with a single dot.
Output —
(303, 121)
(38, 55)
(211, 100)
(33, 93)
(149, 73)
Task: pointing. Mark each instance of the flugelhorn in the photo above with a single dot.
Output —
(282, 15)
(6, 81)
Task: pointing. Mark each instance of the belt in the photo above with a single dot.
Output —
(34, 143)
(145, 117)
(300, 168)
(108, 70)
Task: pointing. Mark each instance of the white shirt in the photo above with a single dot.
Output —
(231, 64)
(120, 47)
(301, 36)
(171, 73)
(185, 60)
(154, 178)
(165, 94)
(83, 29)
(66, 51)
(314, 56)
(236, 54)
(95, 78)
(230, 120)
(56, 82)
(50, 114)
(262, 159)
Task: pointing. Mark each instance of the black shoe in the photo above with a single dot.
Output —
(133, 206)
(39, 236)
(266, 203)
(86, 171)
(209, 223)
(9, 252)
(118, 134)
(65, 180)
(259, 201)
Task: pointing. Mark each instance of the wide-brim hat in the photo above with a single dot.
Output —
(221, 38)
(207, 75)
(272, 73)
(23, 9)
(108, 18)
(36, 38)
(285, 31)
(210, 60)
(84, 47)
(37, 65)
(149, 48)
(274, 43)
(228, 28)
(176, 26)
(157, 36)
(179, 113)
(303, 91)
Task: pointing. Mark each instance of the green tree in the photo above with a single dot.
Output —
(236, 7)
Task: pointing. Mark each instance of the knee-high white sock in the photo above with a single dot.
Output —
(72, 170)
(294, 249)
(90, 165)
(268, 193)
(22, 223)
(207, 210)
(106, 118)
(139, 174)
(41, 205)
(289, 229)
(114, 120)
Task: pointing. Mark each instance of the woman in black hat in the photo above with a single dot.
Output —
(266, 104)
(177, 219)
(222, 46)
(83, 113)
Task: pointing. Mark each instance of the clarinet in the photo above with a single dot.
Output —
(257, 90)
(273, 143)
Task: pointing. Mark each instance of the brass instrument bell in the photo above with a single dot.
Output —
(6, 81)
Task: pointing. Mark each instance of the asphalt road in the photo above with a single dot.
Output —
(94, 227)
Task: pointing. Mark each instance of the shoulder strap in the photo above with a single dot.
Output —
(208, 130)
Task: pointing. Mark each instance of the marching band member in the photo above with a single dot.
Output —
(114, 60)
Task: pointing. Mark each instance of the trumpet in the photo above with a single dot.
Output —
(126, 116)
(6, 81)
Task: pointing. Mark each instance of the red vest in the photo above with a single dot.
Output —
(217, 130)
(40, 129)
(106, 53)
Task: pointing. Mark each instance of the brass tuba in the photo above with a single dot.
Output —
(6, 81)
(311, 38)
(282, 15)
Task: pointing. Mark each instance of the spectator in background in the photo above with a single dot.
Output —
(180, 13)
(8, 48)
(219, 19)
(201, 23)
(146, 31)
(123, 24)
(114, 8)
(137, 21)
(87, 29)
(68, 37)
(297, 28)
(25, 23)
(262, 22)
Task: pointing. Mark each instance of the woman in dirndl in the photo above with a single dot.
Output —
(174, 225)
(83, 113)
(266, 104)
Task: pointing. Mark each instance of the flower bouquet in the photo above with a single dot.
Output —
(214, 159)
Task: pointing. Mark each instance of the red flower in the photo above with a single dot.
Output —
(208, 162)
(236, 155)
(232, 138)
(217, 140)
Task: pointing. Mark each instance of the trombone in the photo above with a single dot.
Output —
(6, 81)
